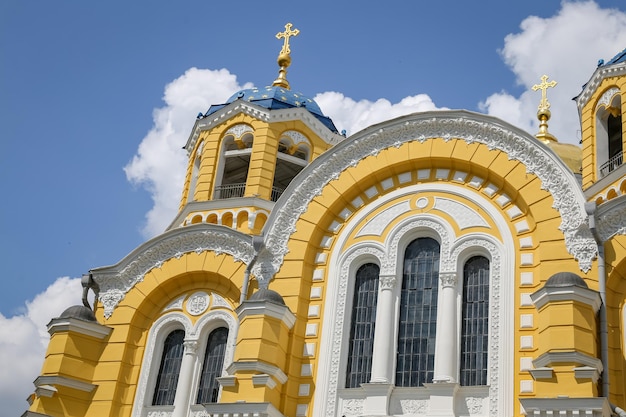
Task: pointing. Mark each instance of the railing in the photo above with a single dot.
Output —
(276, 193)
(229, 191)
(611, 164)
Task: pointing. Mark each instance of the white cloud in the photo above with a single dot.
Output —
(354, 116)
(160, 163)
(567, 47)
(23, 342)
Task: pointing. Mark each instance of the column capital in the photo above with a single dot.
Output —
(448, 279)
(387, 282)
(191, 347)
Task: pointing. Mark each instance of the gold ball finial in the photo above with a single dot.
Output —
(284, 57)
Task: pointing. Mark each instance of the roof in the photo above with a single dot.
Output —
(277, 98)
(620, 57)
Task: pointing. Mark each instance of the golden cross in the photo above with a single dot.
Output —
(543, 104)
(286, 35)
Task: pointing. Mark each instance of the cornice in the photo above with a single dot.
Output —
(116, 280)
(598, 76)
(96, 330)
(470, 127)
(571, 293)
(64, 381)
(260, 113)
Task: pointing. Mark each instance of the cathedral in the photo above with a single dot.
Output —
(443, 263)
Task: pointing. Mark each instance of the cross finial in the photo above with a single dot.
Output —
(284, 57)
(543, 112)
(544, 104)
(288, 33)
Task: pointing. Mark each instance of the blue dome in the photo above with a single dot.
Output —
(277, 98)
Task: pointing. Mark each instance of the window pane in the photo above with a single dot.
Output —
(475, 322)
(418, 314)
(209, 388)
(361, 344)
(165, 389)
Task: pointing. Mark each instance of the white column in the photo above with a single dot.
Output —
(445, 356)
(383, 334)
(185, 379)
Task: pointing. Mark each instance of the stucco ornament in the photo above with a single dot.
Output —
(115, 281)
(470, 127)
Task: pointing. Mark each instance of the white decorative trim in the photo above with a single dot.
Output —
(352, 407)
(549, 407)
(115, 281)
(219, 301)
(541, 373)
(262, 308)
(463, 215)
(601, 73)
(93, 329)
(241, 410)
(260, 113)
(63, 381)
(587, 372)
(571, 293)
(611, 218)
(607, 97)
(550, 358)
(197, 303)
(194, 334)
(238, 130)
(257, 366)
(263, 380)
(538, 159)
(377, 225)
(296, 137)
(177, 304)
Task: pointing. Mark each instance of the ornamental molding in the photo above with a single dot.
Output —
(390, 262)
(115, 281)
(347, 266)
(495, 290)
(197, 303)
(387, 282)
(448, 279)
(238, 130)
(464, 216)
(260, 113)
(607, 97)
(377, 225)
(195, 336)
(601, 73)
(611, 218)
(470, 127)
(352, 407)
(296, 137)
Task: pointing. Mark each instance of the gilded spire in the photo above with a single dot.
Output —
(543, 112)
(284, 57)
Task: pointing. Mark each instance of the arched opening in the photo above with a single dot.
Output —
(609, 140)
(234, 163)
(167, 378)
(290, 160)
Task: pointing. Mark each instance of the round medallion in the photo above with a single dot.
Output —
(421, 202)
(197, 303)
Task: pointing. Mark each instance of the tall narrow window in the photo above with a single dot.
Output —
(475, 322)
(209, 388)
(361, 347)
(418, 314)
(165, 389)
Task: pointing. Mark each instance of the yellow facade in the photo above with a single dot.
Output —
(278, 216)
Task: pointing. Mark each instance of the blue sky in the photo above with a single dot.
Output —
(82, 98)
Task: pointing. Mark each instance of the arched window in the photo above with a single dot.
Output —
(290, 160)
(475, 322)
(235, 161)
(209, 388)
(167, 378)
(609, 141)
(361, 343)
(418, 313)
